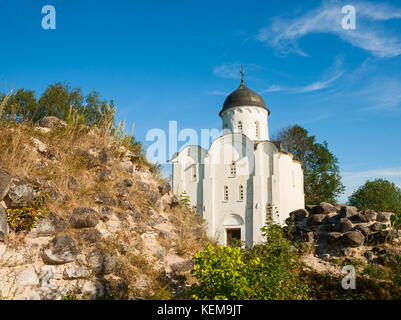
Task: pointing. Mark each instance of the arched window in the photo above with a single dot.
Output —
(240, 126)
(241, 192)
(233, 169)
(257, 129)
(225, 193)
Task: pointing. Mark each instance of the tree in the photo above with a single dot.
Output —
(21, 105)
(379, 195)
(322, 180)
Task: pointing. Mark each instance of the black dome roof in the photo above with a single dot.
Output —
(244, 96)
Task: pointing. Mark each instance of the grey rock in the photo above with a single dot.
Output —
(126, 166)
(72, 273)
(377, 226)
(5, 184)
(90, 235)
(164, 187)
(369, 255)
(384, 216)
(344, 225)
(152, 197)
(106, 174)
(121, 190)
(60, 250)
(51, 122)
(348, 211)
(83, 217)
(381, 237)
(299, 215)
(3, 224)
(370, 215)
(316, 219)
(333, 238)
(103, 198)
(72, 183)
(316, 210)
(174, 219)
(88, 159)
(106, 157)
(347, 252)
(49, 226)
(142, 186)
(327, 207)
(126, 205)
(174, 201)
(27, 278)
(364, 229)
(95, 260)
(105, 213)
(128, 182)
(353, 238)
(184, 266)
(109, 263)
(136, 216)
(20, 195)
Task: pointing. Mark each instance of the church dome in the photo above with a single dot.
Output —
(244, 96)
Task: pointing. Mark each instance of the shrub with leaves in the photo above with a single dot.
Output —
(268, 271)
(24, 219)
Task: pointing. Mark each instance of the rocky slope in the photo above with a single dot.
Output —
(82, 216)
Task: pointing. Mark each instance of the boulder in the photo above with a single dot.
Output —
(5, 184)
(3, 224)
(384, 216)
(49, 226)
(21, 194)
(27, 278)
(348, 211)
(51, 122)
(60, 250)
(370, 215)
(315, 219)
(106, 174)
(381, 237)
(183, 266)
(142, 186)
(353, 238)
(106, 157)
(299, 215)
(164, 187)
(121, 190)
(95, 260)
(83, 217)
(377, 226)
(126, 166)
(327, 207)
(344, 225)
(174, 201)
(104, 199)
(105, 213)
(315, 209)
(364, 229)
(152, 197)
(333, 238)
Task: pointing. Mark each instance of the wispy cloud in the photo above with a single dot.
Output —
(228, 71)
(218, 93)
(283, 34)
(318, 85)
(354, 179)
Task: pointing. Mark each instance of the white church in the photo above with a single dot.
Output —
(244, 178)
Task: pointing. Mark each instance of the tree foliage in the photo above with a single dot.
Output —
(379, 195)
(59, 100)
(266, 272)
(322, 180)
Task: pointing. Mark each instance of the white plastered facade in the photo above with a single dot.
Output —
(242, 179)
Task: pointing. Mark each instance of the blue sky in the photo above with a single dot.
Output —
(177, 60)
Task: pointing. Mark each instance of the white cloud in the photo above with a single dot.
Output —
(228, 71)
(283, 34)
(272, 88)
(354, 179)
(318, 85)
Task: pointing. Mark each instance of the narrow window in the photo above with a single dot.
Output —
(293, 179)
(225, 193)
(240, 126)
(194, 172)
(233, 169)
(241, 192)
(257, 129)
(189, 152)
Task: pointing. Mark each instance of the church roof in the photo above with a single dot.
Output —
(243, 96)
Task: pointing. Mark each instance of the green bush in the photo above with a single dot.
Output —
(268, 271)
